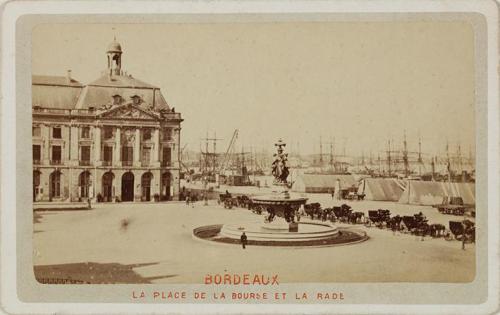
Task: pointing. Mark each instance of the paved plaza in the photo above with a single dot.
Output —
(152, 242)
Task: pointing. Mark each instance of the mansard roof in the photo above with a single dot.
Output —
(61, 93)
(55, 92)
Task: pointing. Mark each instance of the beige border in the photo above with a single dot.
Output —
(28, 290)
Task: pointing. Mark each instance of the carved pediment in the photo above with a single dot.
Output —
(128, 112)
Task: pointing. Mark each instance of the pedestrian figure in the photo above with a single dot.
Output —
(187, 199)
(243, 239)
(332, 191)
(89, 204)
(463, 235)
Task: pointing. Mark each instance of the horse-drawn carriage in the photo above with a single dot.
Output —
(437, 230)
(243, 201)
(227, 200)
(313, 209)
(379, 217)
(344, 213)
(463, 229)
(416, 224)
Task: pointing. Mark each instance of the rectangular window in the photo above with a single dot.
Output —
(56, 133)
(56, 154)
(37, 132)
(55, 184)
(37, 153)
(166, 156)
(108, 133)
(85, 132)
(108, 153)
(127, 155)
(146, 155)
(146, 134)
(85, 153)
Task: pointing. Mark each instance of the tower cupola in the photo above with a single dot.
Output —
(114, 54)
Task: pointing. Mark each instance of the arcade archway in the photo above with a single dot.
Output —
(128, 187)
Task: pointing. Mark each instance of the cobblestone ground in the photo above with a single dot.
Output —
(154, 241)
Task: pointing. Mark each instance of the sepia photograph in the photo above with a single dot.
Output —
(237, 157)
(188, 153)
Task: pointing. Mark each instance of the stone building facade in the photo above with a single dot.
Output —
(114, 139)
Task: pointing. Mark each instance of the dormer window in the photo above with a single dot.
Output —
(136, 100)
(117, 99)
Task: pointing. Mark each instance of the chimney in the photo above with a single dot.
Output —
(68, 76)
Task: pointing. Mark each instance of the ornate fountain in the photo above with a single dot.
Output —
(279, 227)
(280, 203)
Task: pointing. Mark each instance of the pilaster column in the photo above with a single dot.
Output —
(45, 130)
(155, 154)
(97, 145)
(66, 144)
(176, 152)
(137, 147)
(74, 146)
(117, 153)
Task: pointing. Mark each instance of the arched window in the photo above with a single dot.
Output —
(55, 184)
(127, 187)
(107, 186)
(165, 186)
(84, 183)
(146, 186)
(36, 185)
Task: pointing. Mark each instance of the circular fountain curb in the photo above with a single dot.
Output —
(360, 236)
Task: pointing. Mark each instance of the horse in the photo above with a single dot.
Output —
(437, 230)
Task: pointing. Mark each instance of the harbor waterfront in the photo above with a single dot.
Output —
(247, 177)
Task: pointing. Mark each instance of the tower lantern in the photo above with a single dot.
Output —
(114, 54)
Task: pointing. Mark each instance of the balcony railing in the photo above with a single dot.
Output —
(55, 162)
(37, 109)
(37, 162)
(58, 111)
(145, 163)
(127, 163)
(84, 163)
(107, 163)
(166, 163)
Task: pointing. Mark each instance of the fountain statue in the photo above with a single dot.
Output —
(280, 203)
(280, 169)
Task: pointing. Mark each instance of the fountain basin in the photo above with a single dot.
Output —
(231, 236)
(273, 232)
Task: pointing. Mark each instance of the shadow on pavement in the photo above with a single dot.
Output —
(92, 273)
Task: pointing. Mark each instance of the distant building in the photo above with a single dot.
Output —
(113, 139)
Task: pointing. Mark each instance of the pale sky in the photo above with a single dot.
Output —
(360, 82)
